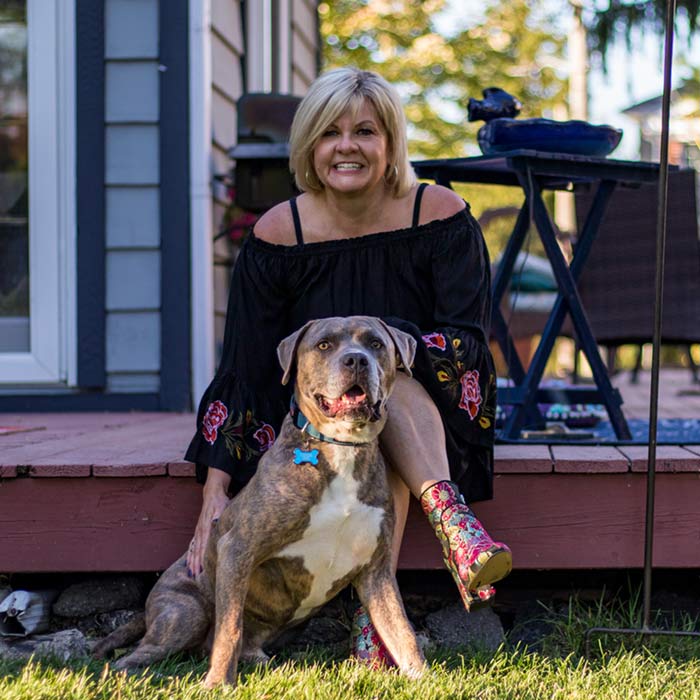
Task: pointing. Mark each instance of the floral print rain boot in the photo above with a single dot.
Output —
(473, 558)
(367, 646)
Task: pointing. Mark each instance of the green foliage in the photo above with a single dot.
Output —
(619, 17)
(512, 45)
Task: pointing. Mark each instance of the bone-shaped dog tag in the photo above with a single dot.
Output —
(305, 456)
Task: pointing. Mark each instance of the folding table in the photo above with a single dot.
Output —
(534, 172)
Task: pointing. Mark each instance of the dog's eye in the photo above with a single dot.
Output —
(376, 344)
(323, 345)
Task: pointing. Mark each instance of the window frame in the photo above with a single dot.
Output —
(51, 359)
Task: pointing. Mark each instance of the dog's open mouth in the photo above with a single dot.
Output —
(353, 402)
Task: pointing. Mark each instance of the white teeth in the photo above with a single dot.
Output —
(348, 166)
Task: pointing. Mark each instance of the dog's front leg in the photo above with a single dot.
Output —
(234, 567)
(379, 594)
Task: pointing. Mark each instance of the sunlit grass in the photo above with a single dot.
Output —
(630, 668)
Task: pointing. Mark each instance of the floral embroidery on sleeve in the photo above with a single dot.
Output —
(245, 437)
(471, 393)
(469, 389)
(435, 340)
(265, 435)
(213, 419)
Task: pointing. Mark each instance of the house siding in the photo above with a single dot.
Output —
(227, 86)
(132, 178)
(304, 45)
(228, 83)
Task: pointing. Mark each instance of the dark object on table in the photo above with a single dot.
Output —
(496, 103)
(575, 137)
(503, 133)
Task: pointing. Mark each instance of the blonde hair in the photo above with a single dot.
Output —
(329, 96)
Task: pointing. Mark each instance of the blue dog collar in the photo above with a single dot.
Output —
(304, 424)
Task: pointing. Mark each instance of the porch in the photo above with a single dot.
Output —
(110, 492)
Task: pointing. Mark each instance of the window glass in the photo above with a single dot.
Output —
(14, 196)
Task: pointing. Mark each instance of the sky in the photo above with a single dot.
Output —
(633, 78)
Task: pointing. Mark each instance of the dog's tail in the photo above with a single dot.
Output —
(123, 636)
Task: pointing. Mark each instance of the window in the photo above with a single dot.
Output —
(37, 198)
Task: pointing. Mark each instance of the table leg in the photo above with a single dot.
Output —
(568, 297)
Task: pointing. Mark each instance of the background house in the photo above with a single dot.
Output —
(115, 118)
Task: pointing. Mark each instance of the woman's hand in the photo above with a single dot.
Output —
(214, 500)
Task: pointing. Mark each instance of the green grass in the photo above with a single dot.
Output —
(618, 667)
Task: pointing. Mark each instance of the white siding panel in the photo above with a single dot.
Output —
(133, 217)
(131, 28)
(300, 83)
(226, 21)
(226, 69)
(224, 118)
(303, 58)
(132, 155)
(133, 280)
(133, 342)
(304, 21)
(221, 164)
(133, 383)
(131, 91)
(222, 279)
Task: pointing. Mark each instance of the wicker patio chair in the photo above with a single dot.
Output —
(617, 284)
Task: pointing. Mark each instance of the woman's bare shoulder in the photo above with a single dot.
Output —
(276, 225)
(439, 203)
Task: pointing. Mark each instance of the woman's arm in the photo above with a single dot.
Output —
(214, 500)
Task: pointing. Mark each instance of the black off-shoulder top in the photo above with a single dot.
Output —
(430, 280)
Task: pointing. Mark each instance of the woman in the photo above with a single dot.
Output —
(365, 238)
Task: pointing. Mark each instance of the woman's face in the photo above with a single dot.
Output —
(352, 155)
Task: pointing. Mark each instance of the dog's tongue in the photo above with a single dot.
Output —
(352, 397)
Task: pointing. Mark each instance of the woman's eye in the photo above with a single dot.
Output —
(323, 345)
(330, 132)
(365, 132)
(376, 344)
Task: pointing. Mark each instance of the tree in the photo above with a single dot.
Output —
(512, 46)
(620, 17)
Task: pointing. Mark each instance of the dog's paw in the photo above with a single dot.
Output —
(414, 672)
(215, 680)
(255, 656)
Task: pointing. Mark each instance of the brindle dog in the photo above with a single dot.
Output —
(316, 517)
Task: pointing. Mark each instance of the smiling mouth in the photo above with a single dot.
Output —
(352, 402)
(348, 167)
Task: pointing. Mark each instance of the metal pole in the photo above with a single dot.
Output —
(658, 307)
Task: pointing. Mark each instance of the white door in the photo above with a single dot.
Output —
(37, 192)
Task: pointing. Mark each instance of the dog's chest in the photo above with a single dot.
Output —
(342, 535)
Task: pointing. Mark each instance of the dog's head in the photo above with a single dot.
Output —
(345, 371)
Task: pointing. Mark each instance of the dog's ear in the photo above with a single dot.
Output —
(405, 346)
(287, 350)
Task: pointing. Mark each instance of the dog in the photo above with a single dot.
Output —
(316, 516)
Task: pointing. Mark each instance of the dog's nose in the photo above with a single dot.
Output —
(355, 360)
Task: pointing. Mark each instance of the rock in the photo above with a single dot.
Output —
(454, 627)
(531, 625)
(100, 595)
(65, 645)
(62, 646)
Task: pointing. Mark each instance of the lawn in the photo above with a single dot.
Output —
(618, 667)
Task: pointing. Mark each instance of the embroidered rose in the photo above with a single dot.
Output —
(213, 419)
(265, 435)
(471, 393)
(435, 340)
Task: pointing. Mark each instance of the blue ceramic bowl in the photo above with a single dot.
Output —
(574, 137)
